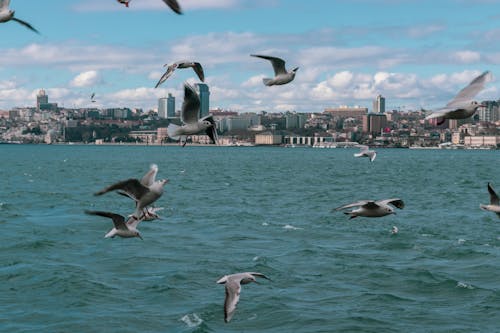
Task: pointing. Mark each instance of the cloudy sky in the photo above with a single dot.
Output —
(416, 53)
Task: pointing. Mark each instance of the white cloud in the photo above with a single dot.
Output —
(86, 79)
(467, 57)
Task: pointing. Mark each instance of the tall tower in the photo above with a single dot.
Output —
(379, 104)
(170, 106)
(204, 99)
(162, 107)
(41, 98)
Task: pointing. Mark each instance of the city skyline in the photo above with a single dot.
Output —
(413, 53)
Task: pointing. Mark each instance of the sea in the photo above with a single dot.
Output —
(257, 209)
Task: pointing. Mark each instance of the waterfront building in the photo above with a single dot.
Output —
(41, 98)
(379, 104)
(490, 112)
(374, 123)
(170, 106)
(347, 112)
(268, 138)
(204, 99)
(295, 120)
(162, 107)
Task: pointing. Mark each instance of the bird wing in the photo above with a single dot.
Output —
(493, 196)
(191, 105)
(26, 24)
(149, 178)
(440, 112)
(233, 289)
(4, 5)
(372, 155)
(174, 5)
(198, 69)
(354, 204)
(396, 202)
(118, 220)
(212, 130)
(467, 94)
(363, 148)
(259, 275)
(167, 74)
(131, 186)
(278, 64)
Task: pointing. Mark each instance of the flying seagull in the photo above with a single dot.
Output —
(126, 229)
(494, 205)
(365, 152)
(282, 76)
(192, 124)
(7, 15)
(462, 106)
(370, 208)
(143, 195)
(196, 66)
(233, 284)
(92, 98)
(147, 180)
(173, 4)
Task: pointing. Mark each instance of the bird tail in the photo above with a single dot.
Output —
(173, 131)
(266, 81)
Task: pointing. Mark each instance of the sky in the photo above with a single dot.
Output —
(415, 53)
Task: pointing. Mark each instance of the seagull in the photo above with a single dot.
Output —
(126, 229)
(494, 205)
(365, 152)
(147, 180)
(370, 208)
(92, 98)
(394, 230)
(462, 106)
(233, 284)
(192, 124)
(173, 4)
(280, 72)
(7, 15)
(196, 66)
(143, 195)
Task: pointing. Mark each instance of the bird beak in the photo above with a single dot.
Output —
(296, 69)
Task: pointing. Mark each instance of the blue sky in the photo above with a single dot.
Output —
(416, 53)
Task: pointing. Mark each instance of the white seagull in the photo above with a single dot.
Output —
(147, 180)
(196, 66)
(125, 229)
(365, 152)
(143, 195)
(371, 208)
(282, 76)
(173, 4)
(462, 106)
(7, 15)
(190, 116)
(494, 205)
(394, 230)
(233, 284)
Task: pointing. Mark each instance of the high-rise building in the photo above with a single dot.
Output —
(490, 112)
(162, 107)
(379, 104)
(41, 98)
(170, 106)
(373, 123)
(204, 99)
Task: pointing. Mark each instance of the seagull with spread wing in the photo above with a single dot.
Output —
(196, 66)
(7, 15)
(281, 75)
(462, 106)
(190, 116)
(125, 229)
(366, 152)
(173, 4)
(143, 192)
(371, 208)
(233, 284)
(494, 205)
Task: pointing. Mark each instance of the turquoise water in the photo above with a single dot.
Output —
(269, 210)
